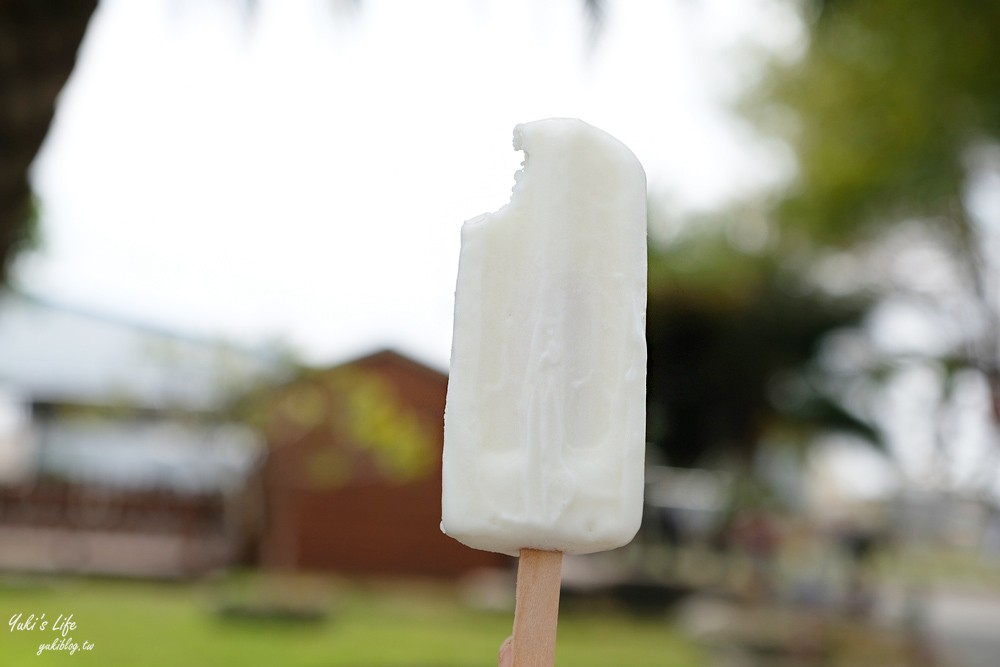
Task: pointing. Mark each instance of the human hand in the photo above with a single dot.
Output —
(505, 657)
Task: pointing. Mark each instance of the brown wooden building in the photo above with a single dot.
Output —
(353, 477)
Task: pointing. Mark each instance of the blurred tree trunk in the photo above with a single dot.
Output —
(39, 40)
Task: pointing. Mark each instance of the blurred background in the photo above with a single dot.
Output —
(230, 233)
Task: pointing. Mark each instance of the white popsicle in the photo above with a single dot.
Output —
(545, 421)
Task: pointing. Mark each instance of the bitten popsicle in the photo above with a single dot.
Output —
(544, 432)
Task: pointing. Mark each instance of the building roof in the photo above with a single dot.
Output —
(54, 354)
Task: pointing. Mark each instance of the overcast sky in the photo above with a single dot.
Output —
(304, 175)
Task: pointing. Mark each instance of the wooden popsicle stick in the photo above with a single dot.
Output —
(536, 608)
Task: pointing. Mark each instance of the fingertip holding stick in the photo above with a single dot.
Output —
(536, 608)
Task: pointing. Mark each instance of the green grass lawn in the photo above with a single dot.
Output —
(367, 625)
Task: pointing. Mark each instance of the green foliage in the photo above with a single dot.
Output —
(372, 416)
(355, 419)
(881, 111)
